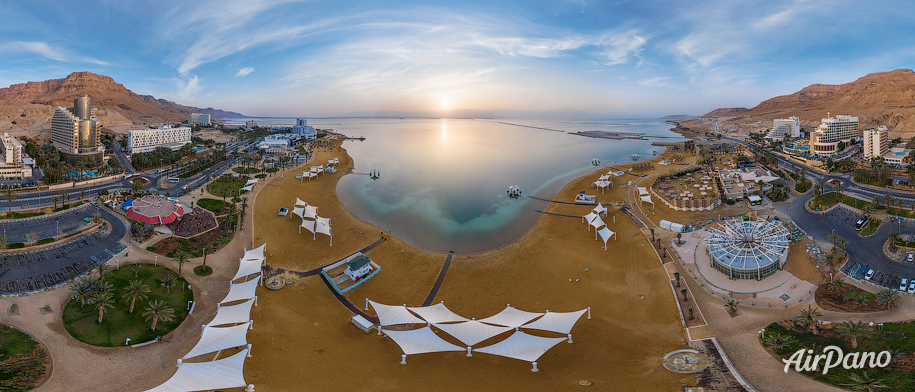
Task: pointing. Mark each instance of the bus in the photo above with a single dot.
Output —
(174, 180)
(860, 223)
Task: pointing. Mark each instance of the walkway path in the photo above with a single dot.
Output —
(346, 302)
(438, 282)
(562, 202)
(270, 271)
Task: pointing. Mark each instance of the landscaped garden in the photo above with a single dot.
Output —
(24, 363)
(839, 296)
(216, 206)
(246, 170)
(784, 339)
(100, 312)
(226, 185)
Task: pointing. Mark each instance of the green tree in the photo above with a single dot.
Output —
(809, 317)
(168, 282)
(731, 305)
(82, 290)
(677, 278)
(56, 199)
(9, 196)
(158, 310)
(893, 237)
(685, 298)
(101, 267)
(836, 285)
(102, 301)
(679, 235)
(887, 298)
(136, 186)
(181, 257)
(777, 341)
(861, 300)
(854, 331)
(135, 289)
(865, 383)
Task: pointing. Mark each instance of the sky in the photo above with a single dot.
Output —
(614, 59)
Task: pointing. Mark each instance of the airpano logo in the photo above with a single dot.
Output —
(832, 357)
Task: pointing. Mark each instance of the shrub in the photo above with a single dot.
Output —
(731, 202)
(15, 245)
(45, 241)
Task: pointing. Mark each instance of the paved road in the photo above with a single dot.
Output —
(45, 226)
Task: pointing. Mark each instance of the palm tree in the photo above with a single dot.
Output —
(842, 243)
(893, 237)
(56, 199)
(839, 188)
(865, 383)
(836, 285)
(777, 341)
(101, 287)
(888, 298)
(679, 235)
(102, 302)
(850, 294)
(853, 331)
(63, 195)
(135, 289)
(760, 184)
(168, 282)
(158, 310)
(82, 291)
(731, 305)
(82, 195)
(833, 237)
(810, 316)
(896, 354)
(101, 267)
(181, 257)
(817, 190)
(136, 269)
(677, 278)
(10, 196)
(685, 298)
(862, 300)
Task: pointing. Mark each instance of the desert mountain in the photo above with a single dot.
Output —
(882, 98)
(30, 105)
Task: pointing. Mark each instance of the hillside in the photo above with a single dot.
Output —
(30, 105)
(883, 98)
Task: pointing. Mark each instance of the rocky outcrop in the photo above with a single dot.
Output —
(726, 112)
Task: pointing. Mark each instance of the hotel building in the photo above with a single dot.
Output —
(75, 131)
(789, 127)
(145, 140)
(13, 165)
(200, 119)
(302, 128)
(824, 140)
(876, 142)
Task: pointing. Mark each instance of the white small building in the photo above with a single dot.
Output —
(200, 119)
(358, 267)
(896, 156)
(14, 165)
(145, 140)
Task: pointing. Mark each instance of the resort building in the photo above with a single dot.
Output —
(302, 128)
(74, 131)
(285, 140)
(200, 119)
(797, 147)
(358, 267)
(13, 165)
(739, 183)
(876, 142)
(896, 156)
(825, 139)
(790, 127)
(251, 124)
(145, 140)
(748, 249)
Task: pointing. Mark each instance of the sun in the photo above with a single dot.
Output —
(444, 104)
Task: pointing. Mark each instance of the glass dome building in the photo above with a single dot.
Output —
(748, 249)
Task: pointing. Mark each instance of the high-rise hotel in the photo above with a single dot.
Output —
(75, 131)
(824, 140)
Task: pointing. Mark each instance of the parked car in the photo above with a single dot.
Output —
(912, 286)
(903, 284)
(869, 274)
(911, 256)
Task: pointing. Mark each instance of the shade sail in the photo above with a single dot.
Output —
(300, 203)
(232, 314)
(308, 225)
(206, 376)
(521, 346)
(251, 182)
(604, 177)
(599, 209)
(321, 228)
(247, 267)
(310, 212)
(241, 290)
(248, 188)
(511, 317)
(597, 222)
(392, 315)
(437, 313)
(256, 253)
(647, 199)
(420, 341)
(214, 339)
(472, 332)
(322, 221)
(298, 211)
(642, 190)
(558, 322)
(590, 217)
(605, 234)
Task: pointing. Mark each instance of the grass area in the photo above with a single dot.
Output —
(261, 176)
(201, 270)
(242, 170)
(780, 193)
(272, 170)
(830, 199)
(15, 245)
(900, 212)
(212, 204)
(226, 185)
(28, 369)
(871, 227)
(897, 376)
(194, 172)
(803, 186)
(45, 241)
(17, 215)
(118, 325)
(68, 206)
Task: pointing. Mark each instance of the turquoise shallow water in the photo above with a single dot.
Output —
(443, 182)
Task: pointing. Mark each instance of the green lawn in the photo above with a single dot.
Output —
(17, 215)
(892, 336)
(871, 227)
(19, 375)
(242, 170)
(118, 325)
(225, 185)
(212, 204)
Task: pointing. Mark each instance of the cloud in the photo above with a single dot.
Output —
(244, 72)
(655, 82)
(620, 48)
(187, 87)
(50, 52)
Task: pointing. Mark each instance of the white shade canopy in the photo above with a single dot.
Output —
(232, 314)
(605, 234)
(392, 315)
(437, 313)
(214, 339)
(599, 209)
(311, 212)
(256, 253)
(647, 199)
(597, 222)
(511, 317)
(251, 181)
(590, 217)
(472, 332)
(300, 203)
(298, 211)
(642, 190)
(323, 221)
(323, 229)
(308, 225)
(521, 346)
(248, 187)
(420, 341)
(206, 376)
(247, 267)
(604, 177)
(241, 291)
(558, 322)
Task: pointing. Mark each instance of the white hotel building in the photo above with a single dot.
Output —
(790, 127)
(13, 165)
(200, 119)
(145, 140)
(876, 142)
(824, 140)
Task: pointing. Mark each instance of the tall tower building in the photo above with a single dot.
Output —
(824, 140)
(75, 131)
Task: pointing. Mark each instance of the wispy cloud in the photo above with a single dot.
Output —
(187, 87)
(244, 72)
(50, 52)
(620, 48)
(654, 82)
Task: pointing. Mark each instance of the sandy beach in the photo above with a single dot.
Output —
(303, 339)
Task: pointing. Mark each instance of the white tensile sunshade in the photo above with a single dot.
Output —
(323, 221)
(248, 188)
(604, 177)
(256, 253)
(558, 322)
(511, 317)
(392, 315)
(599, 209)
(642, 190)
(308, 225)
(472, 332)
(521, 346)
(241, 291)
(298, 211)
(437, 313)
(323, 229)
(219, 338)
(207, 376)
(248, 267)
(647, 199)
(420, 341)
(590, 217)
(232, 314)
(251, 182)
(300, 203)
(597, 222)
(605, 233)
(311, 212)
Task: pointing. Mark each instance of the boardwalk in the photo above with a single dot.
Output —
(438, 282)
(562, 202)
(346, 302)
